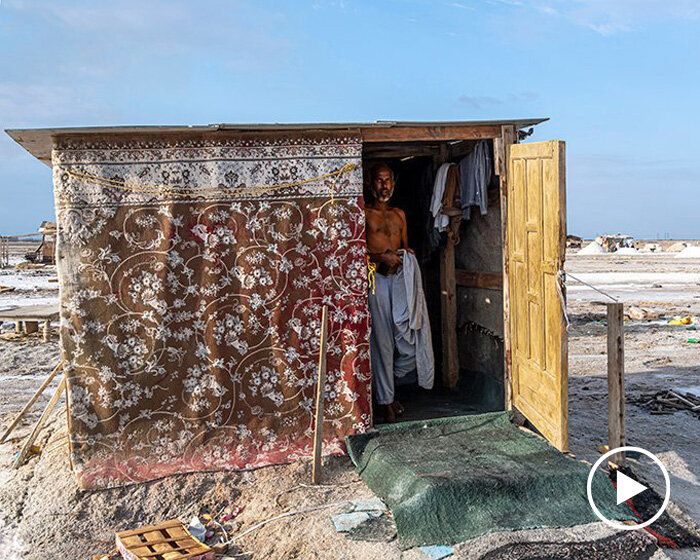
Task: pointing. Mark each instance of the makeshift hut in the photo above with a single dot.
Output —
(194, 261)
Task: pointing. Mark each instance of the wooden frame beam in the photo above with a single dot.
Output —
(502, 145)
(429, 133)
(483, 280)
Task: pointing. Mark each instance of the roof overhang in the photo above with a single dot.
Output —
(39, 141)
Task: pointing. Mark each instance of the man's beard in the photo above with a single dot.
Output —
(384, 196)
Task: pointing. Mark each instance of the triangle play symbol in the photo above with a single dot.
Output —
(627, 488)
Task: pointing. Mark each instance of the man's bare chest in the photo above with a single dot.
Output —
(379, 224)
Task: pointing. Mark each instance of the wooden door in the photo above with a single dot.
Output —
(536, 250)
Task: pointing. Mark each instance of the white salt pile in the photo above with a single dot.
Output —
(627, 251)
(690, 252)
(594, 248)
(678, 246)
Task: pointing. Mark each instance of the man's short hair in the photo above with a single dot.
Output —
(377, 167)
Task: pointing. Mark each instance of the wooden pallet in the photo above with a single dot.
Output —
(168, 540)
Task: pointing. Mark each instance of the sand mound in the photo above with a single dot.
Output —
(690, 252)
(594, 248)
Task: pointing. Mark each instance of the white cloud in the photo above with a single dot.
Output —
(607, 17)
(484, 101)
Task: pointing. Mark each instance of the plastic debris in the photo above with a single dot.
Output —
(197, 529)
(345, 521)
(681, 321)
(694, 340)
(435, 552)
(372, 504)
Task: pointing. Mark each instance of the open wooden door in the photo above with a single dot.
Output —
(536, 252)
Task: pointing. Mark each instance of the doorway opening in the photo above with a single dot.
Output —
(478, 262)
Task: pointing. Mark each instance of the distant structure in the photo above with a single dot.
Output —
(612, 243)
(45, 253)
(573, 242)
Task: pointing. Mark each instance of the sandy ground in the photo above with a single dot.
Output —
(43, 515)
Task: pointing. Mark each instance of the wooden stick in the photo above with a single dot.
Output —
(34, 398)
(616, 380)
(320, 393)
(39, 425)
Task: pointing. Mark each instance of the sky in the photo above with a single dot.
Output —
(619, 79)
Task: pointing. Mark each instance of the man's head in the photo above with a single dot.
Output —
(382, 182)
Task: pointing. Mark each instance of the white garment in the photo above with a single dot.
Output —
(400, 338)
(441, 221)
(419, 322)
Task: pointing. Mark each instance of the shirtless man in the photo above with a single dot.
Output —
(386, 227)
(387, 238)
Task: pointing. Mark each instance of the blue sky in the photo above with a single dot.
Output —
(620, 80)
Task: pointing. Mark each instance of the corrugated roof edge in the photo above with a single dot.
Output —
(38, 141)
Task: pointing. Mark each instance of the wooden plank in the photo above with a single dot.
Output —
(484, 280)
(499, 156)
(320, 395)
(30, 313)
(448, 299)
(31, 402)
(164, 525)
(39, 425)
(448, 284)
(616, 380)
(508, 137)
(428, 133)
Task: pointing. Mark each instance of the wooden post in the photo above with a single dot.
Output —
(47, 330)
(448, 284)
(320, 394)
(34, 398)
(501, 157)
(39, 425)
(616, 380)
(448, 298)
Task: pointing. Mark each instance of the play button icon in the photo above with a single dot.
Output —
(627, 488)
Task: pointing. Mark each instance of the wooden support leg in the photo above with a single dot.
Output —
(34, 398)
(18, 327)
(39, 425)
(320, 395)
(616, 380)
(448, 312)
(47, 331)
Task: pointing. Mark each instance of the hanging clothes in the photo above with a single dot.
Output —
(400, 338)
(475, 172)
(441, 221)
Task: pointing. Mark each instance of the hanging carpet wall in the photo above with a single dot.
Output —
(192, 275)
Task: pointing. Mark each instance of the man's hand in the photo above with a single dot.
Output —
(391, 258)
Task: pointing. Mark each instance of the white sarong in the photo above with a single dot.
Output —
(400, 338)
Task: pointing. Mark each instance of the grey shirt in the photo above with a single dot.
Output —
(475, 171)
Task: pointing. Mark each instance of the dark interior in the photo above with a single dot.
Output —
(479, 311)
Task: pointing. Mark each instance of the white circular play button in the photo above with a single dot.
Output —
(627, 488)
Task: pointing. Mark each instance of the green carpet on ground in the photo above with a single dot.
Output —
(452, 479)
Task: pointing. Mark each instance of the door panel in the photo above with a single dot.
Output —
(536, 250)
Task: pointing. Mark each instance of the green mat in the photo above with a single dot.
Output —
(452, 479)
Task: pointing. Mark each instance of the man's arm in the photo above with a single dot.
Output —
(404, 231)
